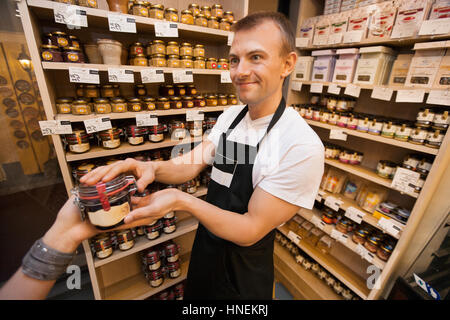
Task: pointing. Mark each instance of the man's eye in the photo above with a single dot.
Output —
(256, 57)
(234, 60)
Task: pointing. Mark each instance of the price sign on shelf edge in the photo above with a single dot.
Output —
(166, 29)
(150, 75)
(121, 23)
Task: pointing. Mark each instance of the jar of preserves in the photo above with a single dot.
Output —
(174, 269)
(188, 102)
(222, 100)
(149, 103)
(172, 48)
(199, 101)
(140, 60)
(434, 138)
(386, 169)
(171, 14)
(169, 225)
(51, 53)
(210, 123)
(103, 246)
(73, 54)
(211, 100)
(199, 50)
(134, 104)
(180, 90)
(157, 11)
(389, 128)
(116, 88)
(355, 158)
(375, 127)
(199, 63)
(140, 8)
(363, 124)
(156, 133)
(175, 103)
(213, 22)
(211, 63)
(107, 91)
(157, 46)
(166, 90)
(441, 119)
(424, 166)
(222, 64)
(81, 106)
(229, 16)
(136, 48)
(64, 105)
(384, 251)
(110, 138)
(425, 117)
(206, 11)
(187, 17)
(403, 131)
(194, 8)
(79, 91)
(342, 119)
(411, 161)
(140, 90)
(152, 259)
(224, 24)
(344, 156)
(78, 141)
(155, 278)
(186, 62)
(173, 61)
(136, 135)
(372, 243)
(191, 90)
(177, 130)
(125, 239)
(91, 91)
(344, 225)
(158, 60)
(107, 203)
(217, 11)
(418, 135)
(118, 105)
(329, 216)
(171, 252)
(153, 230)
(162, 103)
(102, 105)
(186, 49)
(60, 39)
(232, 100)
(352, 122)
(201, 20)
(47, 40)
(82, 170)
(359, 236)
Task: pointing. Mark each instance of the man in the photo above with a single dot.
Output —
(267, 162)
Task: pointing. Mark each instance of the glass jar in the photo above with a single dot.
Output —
(156, 11)
(224, 24)
(386, 169)
(103, 246)
(73, 54)
(139, 8)
(187, 17)
(425, 117)
(191, 90)
(194, 8)
(206, 11)
(156, 133)
(110, 138)
(418, 135)
(222, 100)
(166, 90)
(356, 158)
(155, 278)
(344, 156)
(199, 101)
(116, 88)
(47, 40)
(213, 22)
(329, 216)
(136, 135)
(331, 103)
(359, 236)
(201, 20)
(153, 230)
(91, 91)
(118, 105)
(169, 225)
(158, 60)
(180, 90)
(210, 122)
(136, 48)
(441, 119)
(140, 60)
(173, 61)
(79, 91)
(411, 161)
(162, 103)
(217, 11)
(372, 244)
(186, 49)
(195, 128)
(384, 251)
(107, 91)
(389, 129)
(177, 130)
(211, 63)
(403, 131)
(375, 127)
(434, 138)
(157, 47)
(186, 62)
(81, 106)
(199, 63)
(82, 170)
(134, 104)
(125, 239)
(78, 141)
(64, 105)
(229, 16)
(232, 100)
(342, 119)
(171, 14)
(107, 203)
(149, 103)
(222, 64)
(343, 105)
(175, 103)
(188, 102)
(352, 122)
(174, 269)
(172, 48)
(363, 124)
(152, 260)
(171, 252)
(424, 166)
(102, 105)
(211, 100)
(60, 39)
(51, 53)
(199, 50)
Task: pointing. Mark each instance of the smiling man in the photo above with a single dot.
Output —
(267, 163)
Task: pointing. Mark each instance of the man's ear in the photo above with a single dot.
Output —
(289, 64)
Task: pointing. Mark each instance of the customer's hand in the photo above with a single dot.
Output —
(143, 171)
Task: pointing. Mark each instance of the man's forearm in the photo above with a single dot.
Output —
(169, 172)
(22, 287)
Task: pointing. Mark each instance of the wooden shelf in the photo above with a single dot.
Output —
(333, 266)
(377, 138)
(305, 282)
(125, 147)
(365, 174)
(99, 18)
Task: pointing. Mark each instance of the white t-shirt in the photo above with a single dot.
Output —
(290, 161)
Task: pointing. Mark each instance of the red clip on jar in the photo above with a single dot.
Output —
(125, 239)
(110, 138)
(156, 133)
(152, 260)
(136, 135)
(171, 251)
(103, 246)
(78, 141)
(155, 278)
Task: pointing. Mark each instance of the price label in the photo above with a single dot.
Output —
(296, 85)
(72, 16)
(405, 180)
(354, 214)
(316, 88)
(352, 90)
(294, 237)
(333, 203)
(120, 75)
(364, 253)
(97, 124)
(334, 89)
(84, 75)
(225, 77)
(49, 127)
(318, 197)
(410, 96)
(315, 220)
(338, 134)
(434, 27)
(302, 42)
(335, 38)
(146, 119)
(166, 29)
(339, 236)
(382, 93)
(152, 75)
(353, 36)
(389, 226)
(441, 97)
(121, 23)
(194, 115)
(182, 76)
(230, 38)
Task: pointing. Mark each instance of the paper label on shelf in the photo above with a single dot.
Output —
(146, 119)
(352, 90)
(434, 27)
(182, 76)
(335, 38)
(339, 236)
(152, 75)
(230, 38)
(389, 226)
(334, 89)
(338, 134)
(49, 127)
(194, 115)
(354, 214)
(333, 203)
(353, 36)
(410, 96)
(294, 237)
(121, 23)
(120, 75)
(318, 197)
(296, 85)
(166, 29)
(84, 75)
(405, 180)
(402, 31)
(316, 88)
(364, 253)
(441, 97)
(97, 124)
(382, 93)
(302, 42)
(225, 77)
(72, 16)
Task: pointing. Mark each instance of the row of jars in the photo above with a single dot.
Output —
(333, 103)
(433, 117)
(82, 3)
(342, 154)
(175, 292)
(171, 48)
(159, 60)
(58, 46)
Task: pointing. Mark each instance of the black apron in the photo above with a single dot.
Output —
(220, 269)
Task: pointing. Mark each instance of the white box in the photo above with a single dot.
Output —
(359, 21)
(443, 75)
(303, 68)
(323, 66)
(345, 66)
(424, 67)
(374, 65)
(440, 10)
(321, 31)
(400, 70)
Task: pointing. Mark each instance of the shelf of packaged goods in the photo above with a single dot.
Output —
(328, 229)
(365, 174)
(345, 203)
(305, 282)
(343, 273)
(125, 147)
(131, 115)
(138, 288)
(377, 138)
(99, 18)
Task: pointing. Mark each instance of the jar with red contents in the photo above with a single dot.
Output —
(174, 269)
(178, 290)
(169, 225)
(78, 141)
(153, 230)
(329, 216)
(152, 260)
(180, 90)
(171, 251)
(155, 278)
(191, 90)
(136, 135)
(156, 133)
(210, 123)
(176, 103)
(125, 239)
(110, 138)
(199, 101)
(166, 90)
(188, 102)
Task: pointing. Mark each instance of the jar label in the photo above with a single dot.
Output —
(180, 134)
(166, 105)
(104, 218)
(126, 245)
(175, 273)
(202, 103)
(72, 57)
(156, 283)
(169, 229)
(47, 56)
(81, 109)
(119, 108)
(179, 105)
(135, 140)
(101, 108)
(156, 137)
(136, 107)
(172, 258)
(154, 266)
(111, 144)
(62, 42)
(152, 235)
(104, 253)
(79, 148)
(151, 106)
(190, 104)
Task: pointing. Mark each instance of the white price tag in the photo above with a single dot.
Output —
(121, 23)
(354, 214)
(405, 180)
(230, 38)
(318, 197)
(333, 203)
(152, 75)
(353, 36)
(335, 38)
(194, 115)
(72, 16)
(434, 27)
(352, 90)
(441, 97)
(84, 75)
(402, 31)
(364, 253)
(296, 85)
(50, 127)
(120, 75)
(316, 88)
(294, 237)
(382, 93)
(315, 220)
(97, 124)
(389, 226)
(166, 29)
(410, 96)
(225, 77)
(334, 89)
(182, 76)
(338, 134)
(146, 119)
(302, 42)
(339, 236)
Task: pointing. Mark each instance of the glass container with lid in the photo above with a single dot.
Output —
(213, 22)
(134, 104)
(156, 133)
(199, 63)
(177, 130)
(229, 16)
(158, 60)
(78, 141)
(149, 103)
(187, 17)
(64, 105)
(110, 138)
(136, 135)
(125, 239)
(102, 105)
(139, 8)
(157, 11)
(171, 14)
(81, 106)
(386, 169)
(118, 104)
(384, 251)
(173, 61)
(186, 49)
(194, 8)
(162, 103)
(172, 48)
(201, 20)
(199, 101)
(103, 246)
(51, 53)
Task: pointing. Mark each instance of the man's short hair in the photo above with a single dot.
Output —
(253, 20)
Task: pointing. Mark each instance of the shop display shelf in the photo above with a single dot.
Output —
(343, 273)
(364, 173)
(306, 283)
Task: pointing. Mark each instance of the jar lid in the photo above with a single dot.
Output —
(158, 55)
(374, 240)
(91, 86)
(136, 129)
(134, 99)
(148, 99)
(221, 95)
(157, 42)
(211, 96)
(194, 5)
(206, 8)
(113, 130)
(168, 86)
(388, 163)
(157, 6)
(172, 43)
(387, 247)
(200, 58)
(117, 100)
(186, 57)
(77, 134)
(175, 98)
(137, 44)
(59, 33)
(199, 97)
(228, 12)
(72, 49)
(107, 86)
(186, 44)
(223, 60)
(140, 55)
(200, 15)
(187, 98)
(80, 101)
(361, 232)
(63, 100)
(163, 99)
(212, 18)
(174, 56)
(171, 10)
(49, 46)
(217, 6)
(100, 100)
(73, 37)
(87, 167)
(199, 46)
(212, 59)
(186, 12)
(224, 20)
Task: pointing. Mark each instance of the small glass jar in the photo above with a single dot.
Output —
(372, 244)
(329, 216)
(209, 123)
(118, 105)
(81, 106)
(359, 236)
(169, 225)
(309, 113)
(342, 105)
(140, 60)
(186, 49)
(51, 53)
(424, 166)
(134, 104)
(344, 225)
(222, 100)
(217, 11)
(47, 40)
(116, 88)
(425, 117)
(162, 103)
(103, 246)
(191, 90)
(199, 63)
(224, 24)
(211, 63)
(188, 102)
(403, 132)
(149, 103)
(140, 90)
(389, 129)
(229, 16)
(125, 239)
(375, 127)
(153, 230)
(363, 124)
(222, 64)
(411, 161)
(441, 119)
(187, 17)
(136, 135)
(331, 103)
(201, 20)
(206, 11)
(195, 128)
(60, 39)
(79, 91)
(418, 135)
(186, 62)
(213, 22)
(64, 105)
(172, 48)
(158, 60)
(356, 158)
(110, 138)
(174, 269)
(180, 90)
(199, 50)
(136, 48)
(434, 138)
(78, 141)
(352, 122)
(191, 187)
(177, 130)
(156, 11)
(171, 14)
(139, 8)
(155, 278)
(152, 259)
(199, 101)
(211, 100)
(173, 61)
(386, 169)
(232, 100)
(175, 103)
(73, 54)
(91, 91)
(171, 252)
(344, 156)
(102, 105)
(107, 91)
(384, 251)
(343, 119)
(195, 9)
(157, 47)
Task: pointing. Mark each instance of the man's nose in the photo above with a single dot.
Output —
(243, 69)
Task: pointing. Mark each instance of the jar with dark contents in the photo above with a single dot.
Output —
(78, 141)
(210, 122)
(134, 104)
(140, 90)
(359, 236)
(175, 103)
(179, 291)
(329, 216)
(156, 133)
(153, 230)
(118, 105)
(47, 39)
(174, 269)
(110, 138)
(222, 100)
(191, 187)
(199, 101)
(191, 90)
(149, 103)
(177, 130)
(232, 100)
(155, 278)
(107, 91)
(344, 225)
(73, 54)
(171, 251)
(180, 90)
(166, 90)
(152, 260)
(51, 53)
(211, 100)
(162, 103)
(188, 102)
(136, 135)
(103, 246)
(384, 251)
(372, 243)
(125, 239)
(91, 91)
(60, 39)
(169, 225)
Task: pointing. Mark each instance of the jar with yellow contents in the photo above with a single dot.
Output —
(222, 64)
(186, 62)
(149, 103)
(64, 105)
(199, 63)
(206, 11)
(217, 11)
(157, 46)
(156, 11)
(186, 49)
(187, 17)
(229, 16)
(140, 8)
(107, 91)
(102, 105)
(199, 50)
(171, 14)
(188, 102)
(213, 22)
(81, 106)
(172, 48)
(173, 61)
(176, 103)
(211, 100)
(222, 100)
(224, 24)
(158, 60)
(136, 48)
(194, 8)
(201, 20)
(140, 60)
(118, 105)
(232, 99)
(211, 63)
(162, 103)
(134, 104)
(91, 91)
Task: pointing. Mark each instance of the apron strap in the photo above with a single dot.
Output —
(277, 115)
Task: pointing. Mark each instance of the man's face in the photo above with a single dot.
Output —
(256, 63)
